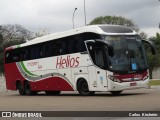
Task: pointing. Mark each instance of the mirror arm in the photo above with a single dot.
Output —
(151, 45)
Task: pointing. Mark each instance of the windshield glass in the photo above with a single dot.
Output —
(129, 55)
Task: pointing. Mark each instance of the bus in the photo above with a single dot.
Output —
(88, 59)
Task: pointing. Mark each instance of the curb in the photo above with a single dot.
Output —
(155, 87)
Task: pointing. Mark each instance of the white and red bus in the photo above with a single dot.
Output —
(88, 60)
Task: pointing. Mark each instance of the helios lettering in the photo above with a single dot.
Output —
(67, 62)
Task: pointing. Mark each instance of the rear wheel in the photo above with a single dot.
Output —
(28, 90)
(20, 88)
(83, 88)
(115, 92)
(52, 92)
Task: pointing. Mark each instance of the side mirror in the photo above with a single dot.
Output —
(151, 45)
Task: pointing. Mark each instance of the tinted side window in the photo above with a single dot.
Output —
(63, 48)
(81, 45)
(34, 52)
(27, 54)
(67, 45)
(72, 46)
(9, 56)
(56, 48)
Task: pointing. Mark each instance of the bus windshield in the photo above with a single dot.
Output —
(129, 55)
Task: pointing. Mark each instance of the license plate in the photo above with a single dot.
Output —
(133, 84)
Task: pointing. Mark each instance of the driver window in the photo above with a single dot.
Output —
(96, 53)
(99, 59)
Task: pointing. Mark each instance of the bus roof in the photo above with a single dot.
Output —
(99, 29)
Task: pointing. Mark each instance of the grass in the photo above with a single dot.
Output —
(154, 82)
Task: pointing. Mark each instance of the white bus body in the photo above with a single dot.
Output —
(78, 60)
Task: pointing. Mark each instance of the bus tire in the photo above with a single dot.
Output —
(115, 92)
(82, 88)
(20, 88)
(27, 88)
(52, 92)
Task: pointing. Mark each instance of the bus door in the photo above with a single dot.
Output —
(97, 72)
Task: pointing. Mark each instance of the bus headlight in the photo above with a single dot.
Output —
(114, 79)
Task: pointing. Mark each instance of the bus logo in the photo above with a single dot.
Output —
(67, 62)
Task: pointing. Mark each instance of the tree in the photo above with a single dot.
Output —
(1, 53)
(154, 60)
(41, 32)
(115, 20)
(15, 32)
(11, 35)
(2, 47)
(143, 35)
(1, 39)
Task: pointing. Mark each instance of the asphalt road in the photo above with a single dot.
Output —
(131, 100)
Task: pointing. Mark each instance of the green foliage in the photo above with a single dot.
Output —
(11, 35)
(115, 20)
(1, 39)
(154, 82)
(15, 32)
(1, 62)
(2, 48)
(1, 53)
(154, 60)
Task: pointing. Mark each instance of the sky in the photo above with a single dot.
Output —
(56, 15)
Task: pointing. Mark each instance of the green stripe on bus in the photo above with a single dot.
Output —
(18, 46)
(26, 71)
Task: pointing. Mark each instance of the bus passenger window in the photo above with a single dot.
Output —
(34, 52)
(15, 57)
(42, 51)
(8, 57)
(48, 50)
(63, 48)
(26, 54)
(81, 46)
(56, 49)
(73, 46)
(21, 56)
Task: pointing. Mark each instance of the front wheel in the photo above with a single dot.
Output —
(83, 88)
(115, 92)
